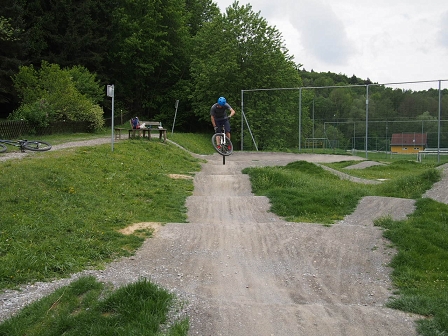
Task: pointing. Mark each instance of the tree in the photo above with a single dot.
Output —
(200, 12)
(149, 53)
(68, 32)
(239, 50)
(7, 32)
(11, 46)
(342, 100)
(61, 32)
(86, 83)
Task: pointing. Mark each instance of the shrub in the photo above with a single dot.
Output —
(54, 94)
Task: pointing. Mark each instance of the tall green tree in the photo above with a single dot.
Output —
(67, 32)
(11, 50)
(239, 50)
(149, 53)
(199, 12)
(63, 32)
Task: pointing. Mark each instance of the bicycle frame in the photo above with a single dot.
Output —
(18, 143)
(32, 145)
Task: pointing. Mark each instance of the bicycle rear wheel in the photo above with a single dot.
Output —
(3, 148)
(223, 147)
(37, 145)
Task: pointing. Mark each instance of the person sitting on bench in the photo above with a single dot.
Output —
(135, 124)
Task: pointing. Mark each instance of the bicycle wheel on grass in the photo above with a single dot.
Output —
(222, 147)
(3, 148)
(36, 145)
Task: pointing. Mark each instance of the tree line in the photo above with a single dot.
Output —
(156, 52)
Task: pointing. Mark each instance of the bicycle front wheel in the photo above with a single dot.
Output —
(3, 148)
(222, 144)
(36, 145)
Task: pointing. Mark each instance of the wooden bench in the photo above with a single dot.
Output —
(118, 132)
(132, 133)
(147, 127)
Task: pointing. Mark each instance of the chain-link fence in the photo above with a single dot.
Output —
(351, 117)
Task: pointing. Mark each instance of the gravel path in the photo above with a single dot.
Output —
(245, 271)
(92, 142)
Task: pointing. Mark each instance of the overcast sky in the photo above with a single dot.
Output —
(387, 41)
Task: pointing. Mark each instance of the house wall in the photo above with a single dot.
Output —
(406, 149)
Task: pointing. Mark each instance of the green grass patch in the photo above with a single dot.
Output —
(402, 178)
(200, 143)
(141, 308)
(304, 192)
(61, 210)
(421, 265)
(385, 171)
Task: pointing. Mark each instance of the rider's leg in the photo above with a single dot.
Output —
(219, 124)
(227, 128)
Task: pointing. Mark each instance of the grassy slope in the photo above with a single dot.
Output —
(61, 210)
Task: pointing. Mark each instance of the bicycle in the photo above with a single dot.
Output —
(32, 145)
(221, 142)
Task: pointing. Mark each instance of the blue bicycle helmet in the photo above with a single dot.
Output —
(221, 101)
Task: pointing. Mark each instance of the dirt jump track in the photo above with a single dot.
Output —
(244, 271)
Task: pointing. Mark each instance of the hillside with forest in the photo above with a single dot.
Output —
(157, 53)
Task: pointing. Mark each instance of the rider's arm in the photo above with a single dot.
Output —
(212, 118)
(232, 112)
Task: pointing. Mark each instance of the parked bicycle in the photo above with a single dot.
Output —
(221, 142)
(32, 145)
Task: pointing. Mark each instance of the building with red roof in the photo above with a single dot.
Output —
(408, 143)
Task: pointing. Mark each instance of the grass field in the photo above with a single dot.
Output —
(61, 212)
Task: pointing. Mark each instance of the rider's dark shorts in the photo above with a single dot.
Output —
(224, 122)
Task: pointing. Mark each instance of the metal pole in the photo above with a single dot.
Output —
(438, 127)
(110, 93)
(242, 122)
(313, 125)
(113, 117)
(354, 136)
(367, 117)
(387, 140)
(300, 119)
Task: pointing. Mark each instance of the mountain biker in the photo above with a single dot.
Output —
(218, 115)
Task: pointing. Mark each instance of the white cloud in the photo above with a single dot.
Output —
(443, 31)
(322, 33)
(386, 41)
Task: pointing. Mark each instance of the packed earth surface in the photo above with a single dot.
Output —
(238, 269)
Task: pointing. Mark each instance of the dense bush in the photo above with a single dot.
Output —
(54, 94)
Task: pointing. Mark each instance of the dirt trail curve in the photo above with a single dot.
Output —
(245, 271)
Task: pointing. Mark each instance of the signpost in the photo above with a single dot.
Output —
(110, 93)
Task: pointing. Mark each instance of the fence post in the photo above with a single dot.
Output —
(367, 118)
(300, 120)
